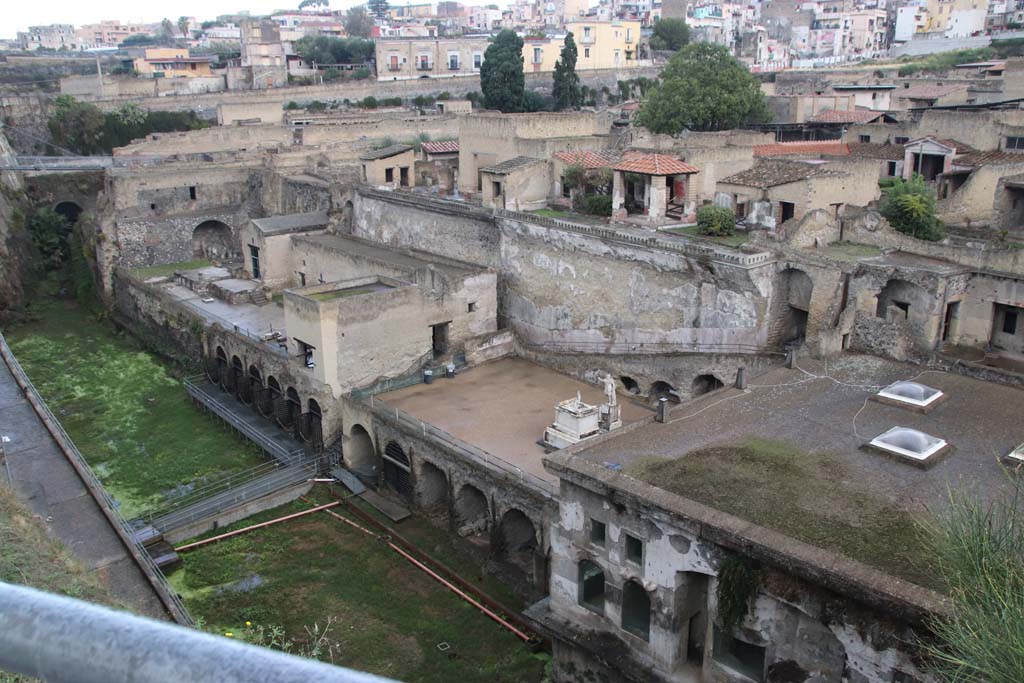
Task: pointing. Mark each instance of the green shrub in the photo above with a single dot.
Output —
(361, 74)
(716, 221)
(368, 102)
(445, 95)
(292, 105)
(595, 205)
(909, 206)
(391, 102)
(316, 105)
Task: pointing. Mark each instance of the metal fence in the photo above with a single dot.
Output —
(470, 452)
(103, 499)
(62, 640)
(647, 347)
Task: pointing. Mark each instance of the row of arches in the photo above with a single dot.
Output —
(636, 602)
(659, 389)
(513, 537)
(281, 405)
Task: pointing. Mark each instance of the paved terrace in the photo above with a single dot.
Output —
(816, 414)
(42, 476)
(502, 408)
(249, 318)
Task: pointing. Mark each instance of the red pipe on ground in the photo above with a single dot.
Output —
(444, 582)
(189, 546)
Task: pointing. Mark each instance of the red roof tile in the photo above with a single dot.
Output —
(653, 164)
(588, 159)
(441, 146)
(801, 147)
(846, 116)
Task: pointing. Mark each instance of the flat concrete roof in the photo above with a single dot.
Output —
(502, 407)
(908, 261)
(256, 320)
(276, 225)
(824, 413)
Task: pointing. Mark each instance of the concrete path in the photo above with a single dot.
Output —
(42, 477)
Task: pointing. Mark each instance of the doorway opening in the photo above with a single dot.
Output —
(439, 339)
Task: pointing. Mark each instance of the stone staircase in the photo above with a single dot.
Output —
(259, 297)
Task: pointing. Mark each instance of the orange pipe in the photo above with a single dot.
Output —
(189, 546)
(433, 575)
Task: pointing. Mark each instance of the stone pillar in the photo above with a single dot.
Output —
(741, 377)
(657, 196)
(791, 359)
(662, 414)
(618, 194)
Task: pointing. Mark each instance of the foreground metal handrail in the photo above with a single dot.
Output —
(62, 640)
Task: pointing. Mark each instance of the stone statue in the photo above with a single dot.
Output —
(609, 389)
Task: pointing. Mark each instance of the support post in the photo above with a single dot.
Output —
(663, 412)
(741, 377)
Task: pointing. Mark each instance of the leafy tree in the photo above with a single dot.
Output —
(716, 221)
(909, 206)
(49, 231)
(77, 126)
(358, 22)
(378, 8)
(331, 50)
(167, 29)
(501, 75)
(670, 34)
(130, 114)
(140, 39)
(183, 26)
(978, 550)
(566, 90)
(703, 88)
(314, 3)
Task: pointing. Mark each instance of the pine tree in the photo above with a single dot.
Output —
(566, 89)
(501, 76)
(378, 8)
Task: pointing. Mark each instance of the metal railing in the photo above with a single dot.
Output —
(228, 414)
(648, 347)
(63, 640)
(543, 487)
(110, 508)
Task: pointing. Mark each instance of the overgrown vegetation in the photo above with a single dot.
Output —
(944, 61)
(388, 617)
(909, 206)
(328, 50)
(82, 128)
(715, 221)
(737, 587)
(979, 551)
(670, 34)
(812, 497)
(132, 420)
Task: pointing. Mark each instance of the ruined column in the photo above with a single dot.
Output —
(618, 195)
(663, 413)
(741, 377)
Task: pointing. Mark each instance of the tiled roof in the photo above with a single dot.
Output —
(929, 92)
(384, 152)
(772, 172)
(650, 163)
(441, 147)
(846, 116)
(511, 165)
(589, 159)
(996, 157)
(961, 147)
(800, 147)
(874, 150)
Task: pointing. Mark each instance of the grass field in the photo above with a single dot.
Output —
(389, 617)
(130, 418)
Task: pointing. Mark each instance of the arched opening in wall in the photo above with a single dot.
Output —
(312, 426)
(795, 290)
(432, 487)
(359, 454)
(212, 240)
(220, 361)
(590, 586)
(70, 211)
(237, 385)
(636, 610)
(703, 384)
(517, 539)
(630, 385)
(397, 470)
(899, 300)
(255, 381)
(266, 401)
(348, 217)
(661, 390)
(472, 514)
(288, 408)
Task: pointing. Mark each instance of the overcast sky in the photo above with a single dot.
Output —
(18, 15)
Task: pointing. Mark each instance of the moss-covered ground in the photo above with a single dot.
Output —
(810, 497)
(123, 407)
(389, 616)
(733, 240)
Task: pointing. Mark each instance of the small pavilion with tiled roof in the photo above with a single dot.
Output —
(931, 156)
(664, 184)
